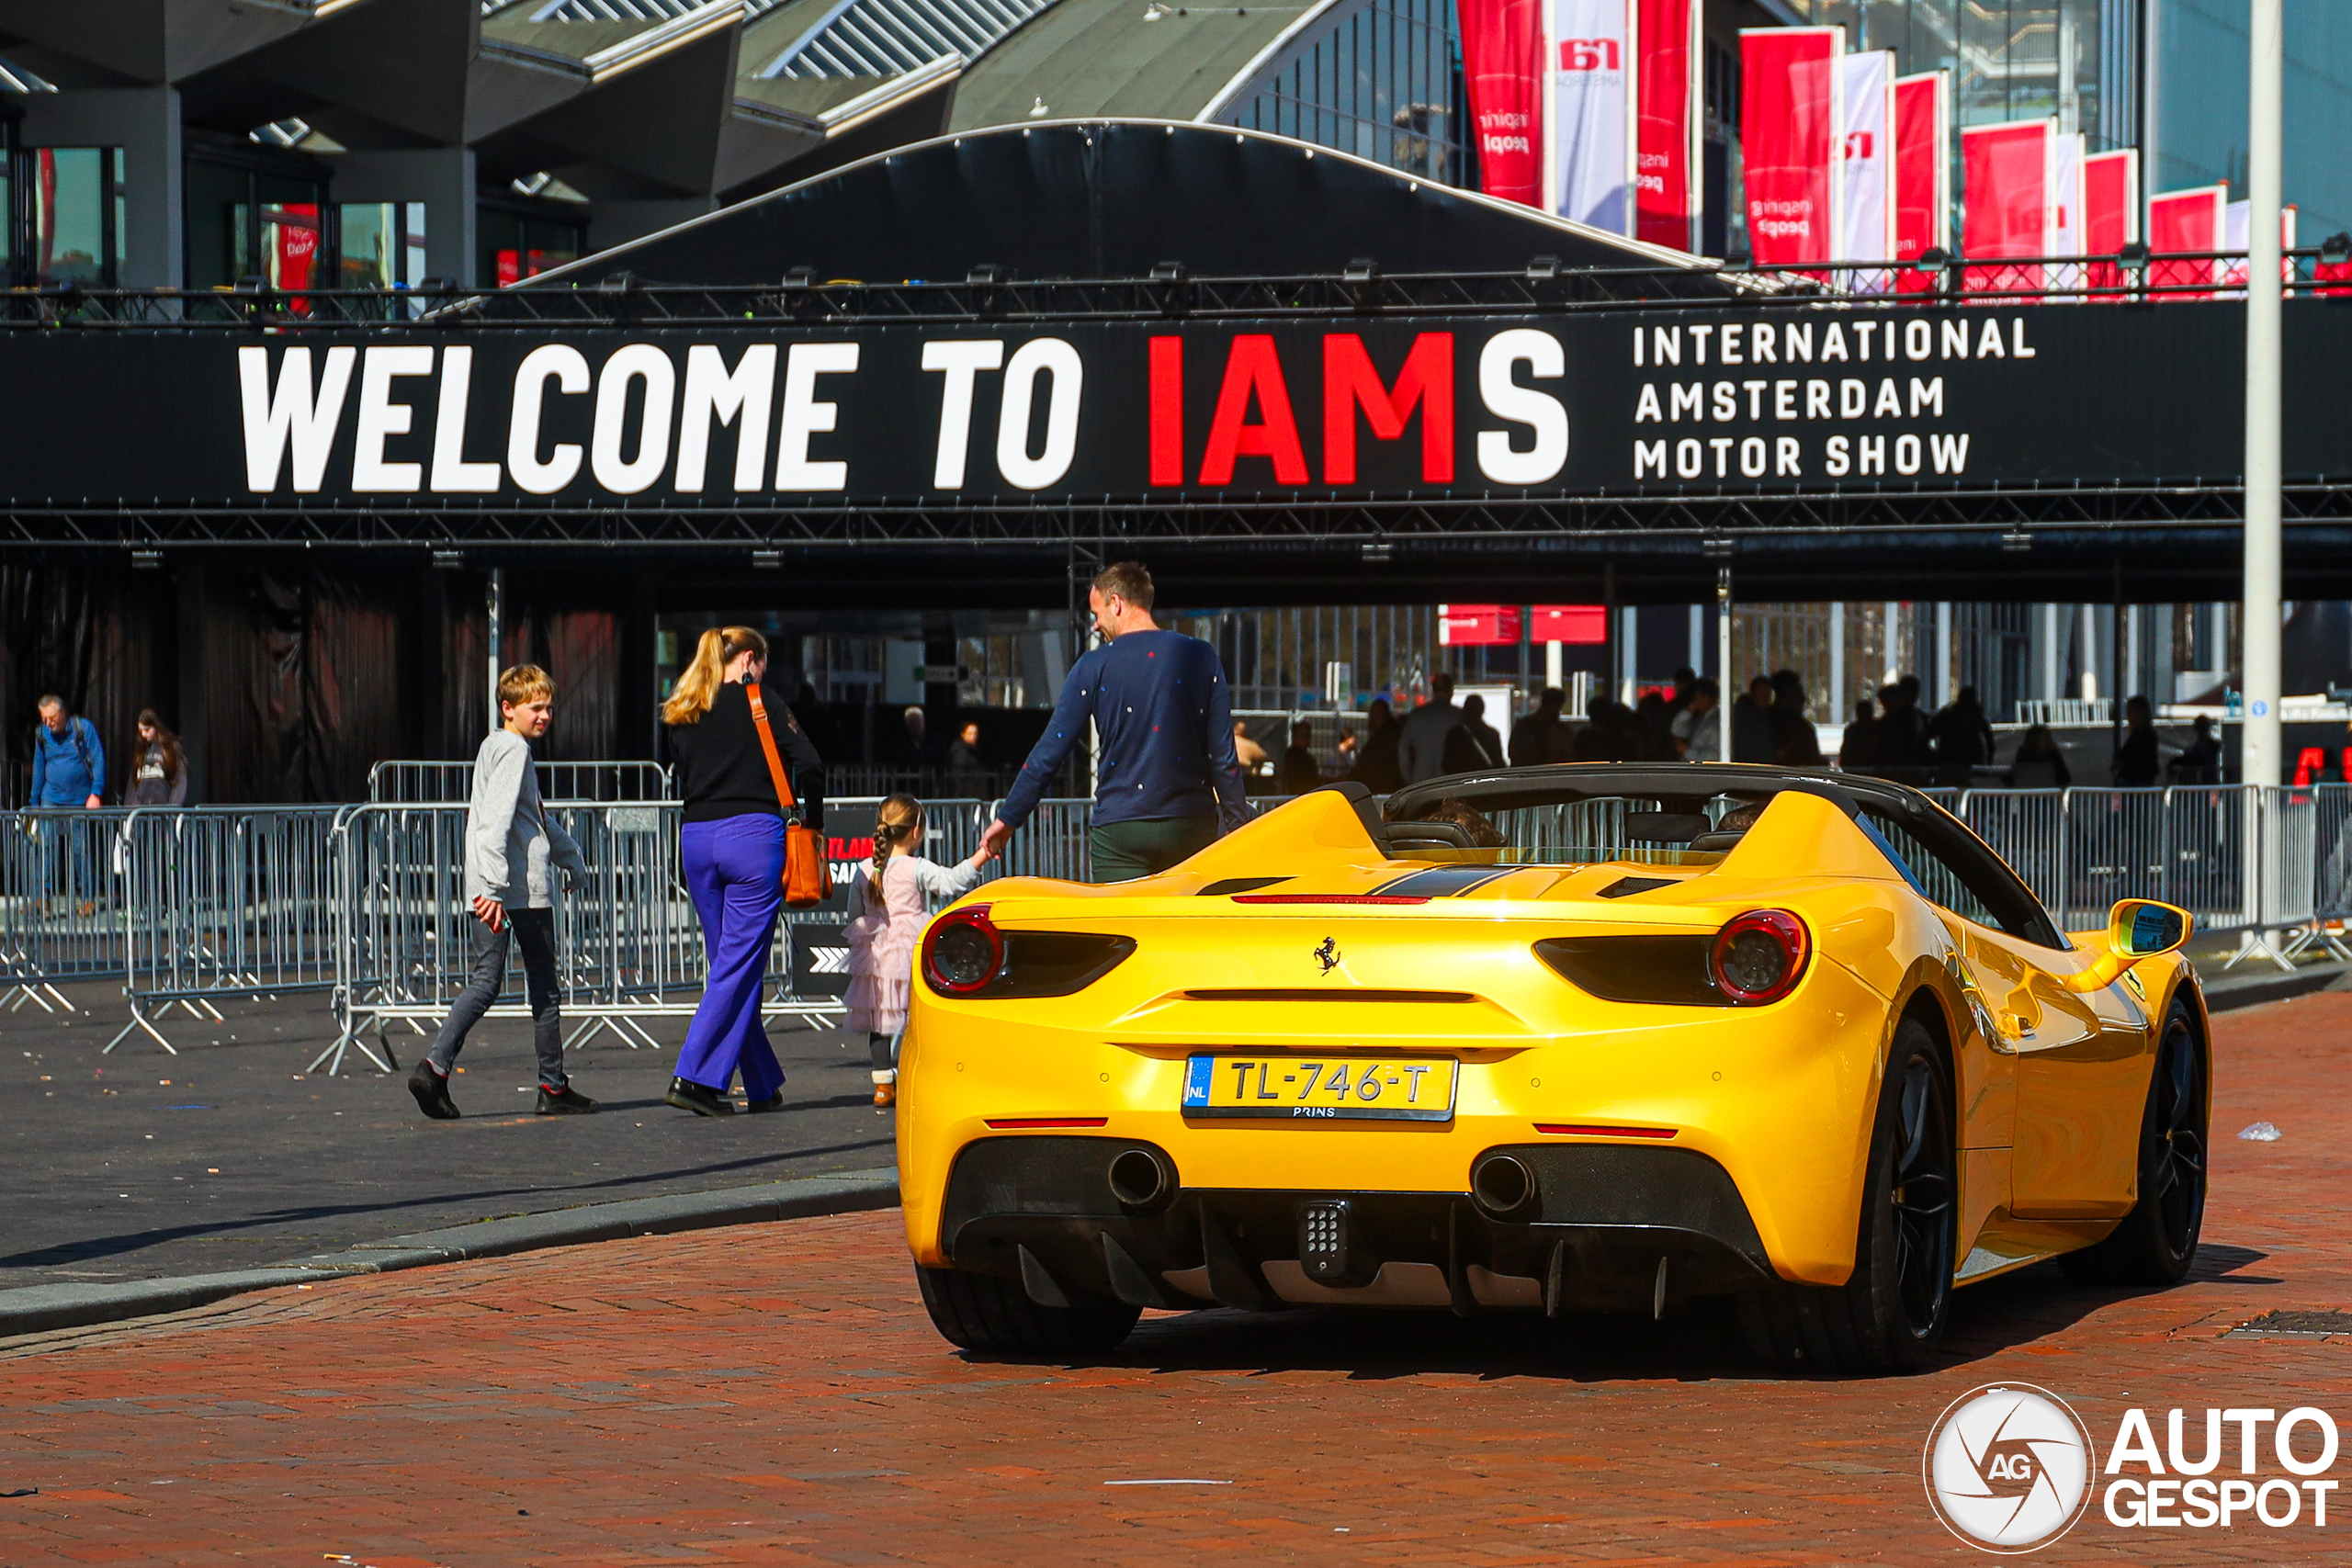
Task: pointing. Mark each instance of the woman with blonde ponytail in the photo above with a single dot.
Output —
(732, 852)
(887, 906)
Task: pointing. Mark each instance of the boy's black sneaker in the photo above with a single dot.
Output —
(564, 1101)
(432, 1091)
(698, 1098)
(762, 1106)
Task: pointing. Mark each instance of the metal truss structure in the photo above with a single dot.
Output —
(2133, 275)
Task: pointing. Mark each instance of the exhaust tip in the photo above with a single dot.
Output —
(1502, 1187)
(1142, 1179)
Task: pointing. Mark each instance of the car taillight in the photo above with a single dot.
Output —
(962, 952)
(1760, 956)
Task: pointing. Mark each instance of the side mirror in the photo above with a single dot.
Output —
(2136, 928)
(2141, 928)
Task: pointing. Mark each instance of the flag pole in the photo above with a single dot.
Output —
(2261, 749)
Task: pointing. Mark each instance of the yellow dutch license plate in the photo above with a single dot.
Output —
(1321, 1089)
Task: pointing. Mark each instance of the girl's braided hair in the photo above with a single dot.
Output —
(901, 815)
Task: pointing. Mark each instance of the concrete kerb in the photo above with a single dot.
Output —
(2234, 991)
(41, 1309)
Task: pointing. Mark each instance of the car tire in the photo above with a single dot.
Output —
(982, 1311)
(1891, 1314)
(2156, 1242)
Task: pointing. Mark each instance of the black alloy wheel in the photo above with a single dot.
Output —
(1891, 1314)
(1925, 1197)
(2156, 1242)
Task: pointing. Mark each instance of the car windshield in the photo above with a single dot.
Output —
(1643, 829)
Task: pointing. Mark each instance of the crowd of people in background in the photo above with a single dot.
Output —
(1892, 735)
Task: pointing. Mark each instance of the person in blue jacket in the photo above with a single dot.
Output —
(1168, 781)
(69, 774)
(69, 765)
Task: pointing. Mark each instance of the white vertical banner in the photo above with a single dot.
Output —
(2237, 235)
(1589, 134)
(1867, 160)
(2066, 225)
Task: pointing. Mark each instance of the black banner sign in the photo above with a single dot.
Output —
(1833, 396)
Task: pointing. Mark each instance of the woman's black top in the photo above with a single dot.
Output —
(722, 770)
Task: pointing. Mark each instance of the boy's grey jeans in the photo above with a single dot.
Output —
(535, 932)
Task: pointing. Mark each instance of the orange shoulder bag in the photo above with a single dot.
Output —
(806, 879)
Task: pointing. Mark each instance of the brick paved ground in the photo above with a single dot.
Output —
(772, 1395)
(230, 1156)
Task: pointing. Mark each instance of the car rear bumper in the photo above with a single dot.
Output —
(1604, 1227)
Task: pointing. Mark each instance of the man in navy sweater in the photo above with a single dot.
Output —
(1168, 781)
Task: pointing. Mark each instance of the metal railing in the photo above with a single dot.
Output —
(223, 902)
(186, 907)
(1935, 278)
(2066, 711)
(61, 919)
(628, 941)
(432, 782)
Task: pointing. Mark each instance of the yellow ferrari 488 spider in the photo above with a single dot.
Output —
(1607, 1037)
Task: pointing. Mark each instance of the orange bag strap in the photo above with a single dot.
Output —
(768, 743)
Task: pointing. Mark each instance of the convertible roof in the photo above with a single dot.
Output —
(1505, 788)
(1990, 877)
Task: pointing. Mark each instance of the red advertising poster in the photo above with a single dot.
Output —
(295, 228)
(1667, 157)
(1791, 121)
(1922, 172)
(2110, 211)
(1583, 624)
(2189, 222)
(1477, 626)
(1501, 51)
(1496, 626)
(2004, 176)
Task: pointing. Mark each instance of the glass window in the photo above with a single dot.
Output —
(1384, 83)
(1936, 881)
(242, 222)
(217, 209)
(517, 245)
(74, 232)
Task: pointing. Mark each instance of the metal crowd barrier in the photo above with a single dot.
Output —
(61, 916)
(188, 907)
(220, 903)
(440, 783)
(628, 941)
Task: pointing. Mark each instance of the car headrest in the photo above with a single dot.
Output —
(1429, 836)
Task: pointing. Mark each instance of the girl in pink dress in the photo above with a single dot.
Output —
(888, 904)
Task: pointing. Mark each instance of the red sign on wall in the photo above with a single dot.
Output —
(1496, 625)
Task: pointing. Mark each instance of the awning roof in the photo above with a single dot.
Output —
(1108, 199)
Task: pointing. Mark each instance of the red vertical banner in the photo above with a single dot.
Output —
(1665, 155)
(1922, 173)
(2006, 179)
(1502, 60)
(2186, 221)
(2110, 213)
(1790, 124)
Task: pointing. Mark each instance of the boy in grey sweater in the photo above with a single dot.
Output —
(512, 852)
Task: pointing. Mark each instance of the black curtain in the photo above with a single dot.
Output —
(100, 637)
(302, 682)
